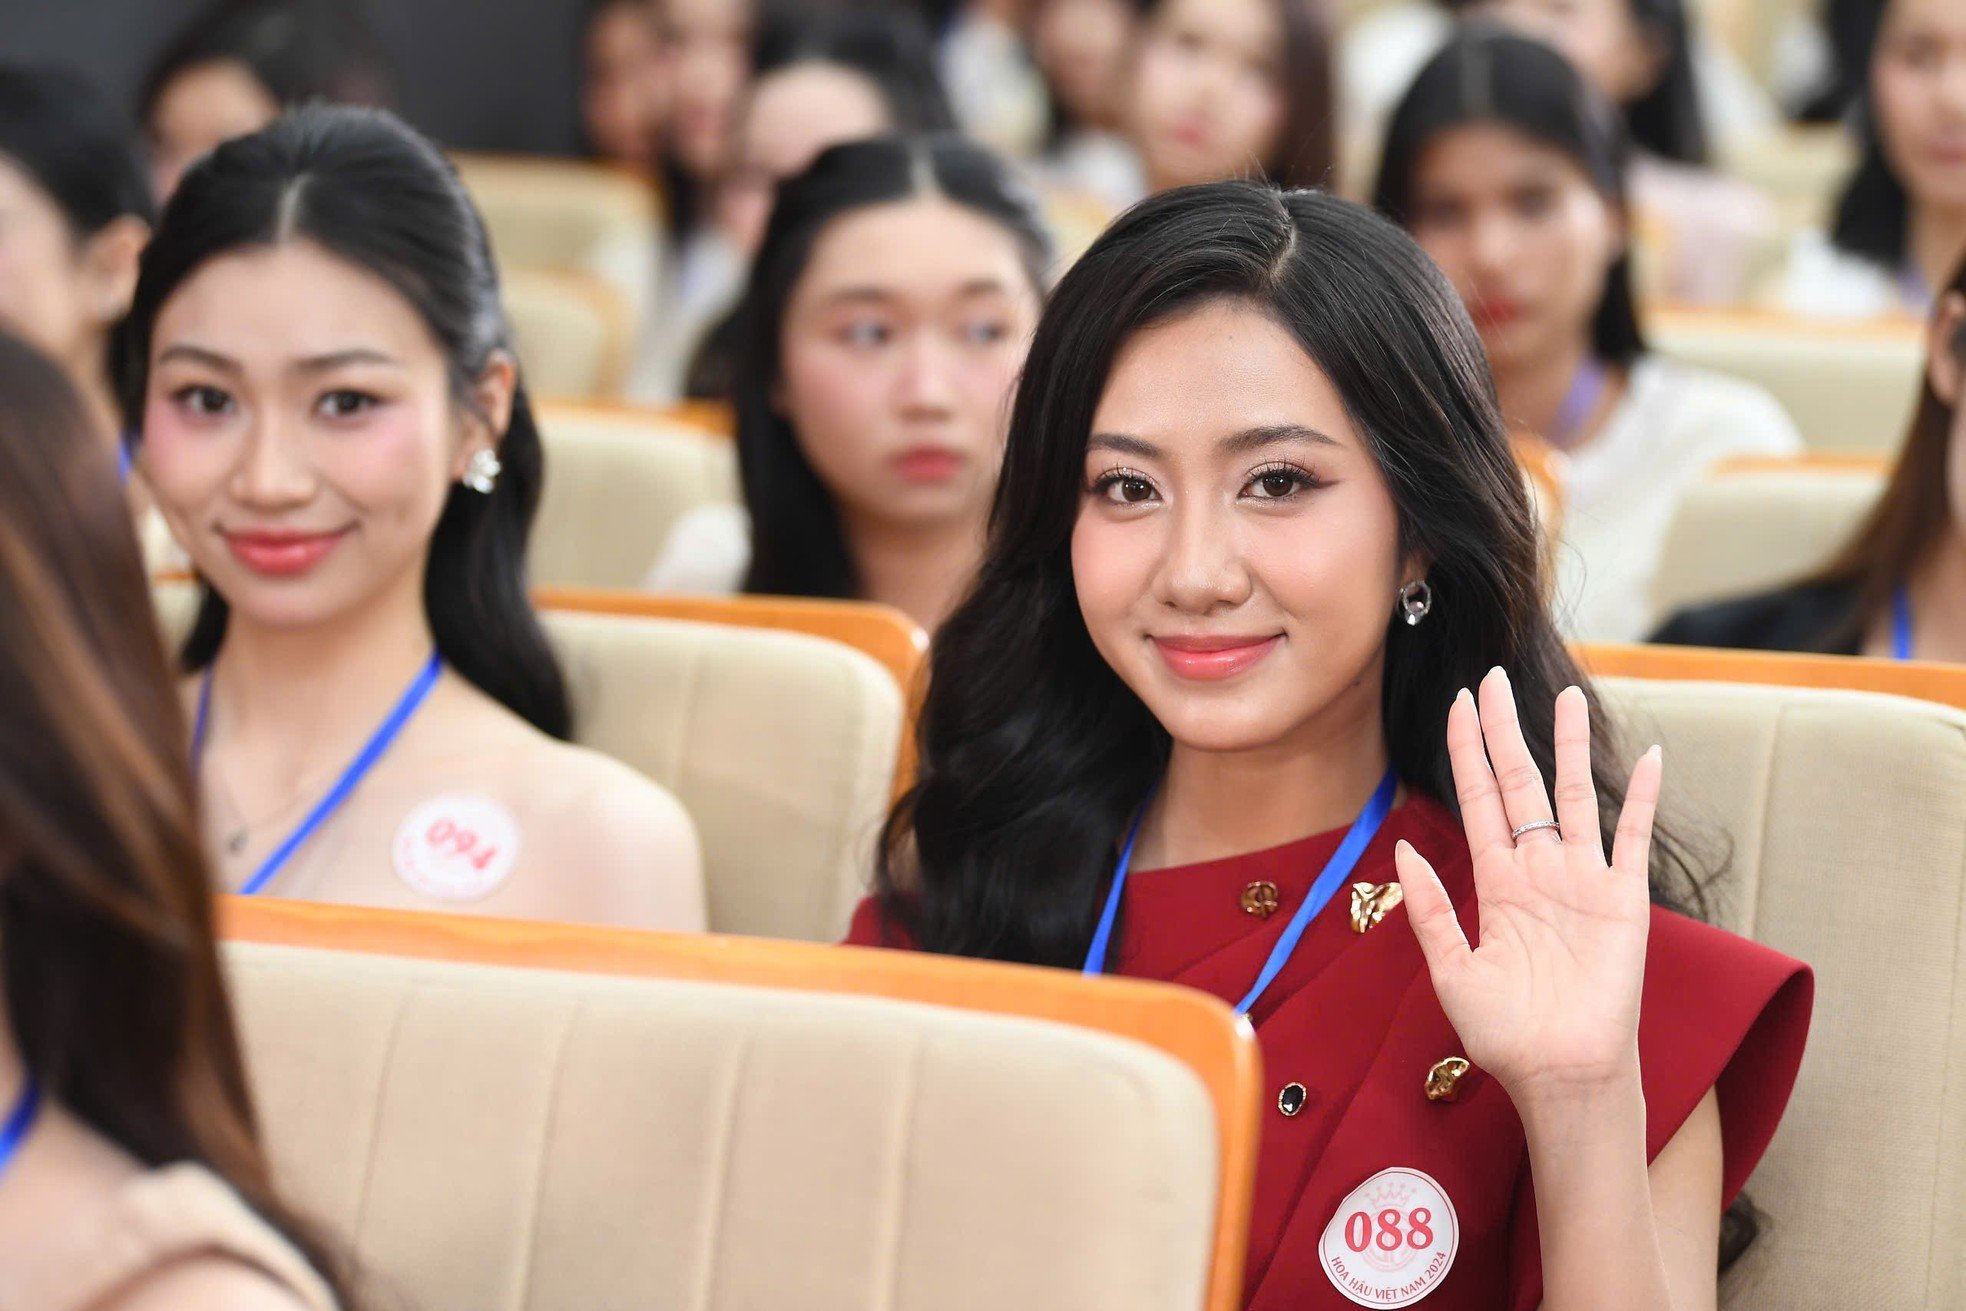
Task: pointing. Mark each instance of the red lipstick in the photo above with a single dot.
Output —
(281, 554)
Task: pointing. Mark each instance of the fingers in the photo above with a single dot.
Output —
(1576, 791)
(1428, 910)
(1631, 849)
(1524, 799)
(1482, 814)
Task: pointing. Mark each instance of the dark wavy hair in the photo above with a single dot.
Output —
(797, 547)
(1485, 75)
(111, 978)
(66, 138)
(373, 192)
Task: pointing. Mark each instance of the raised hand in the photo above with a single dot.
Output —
(1548, 1003)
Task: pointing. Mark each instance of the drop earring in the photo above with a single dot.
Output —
(481, 472)
(1416, 599)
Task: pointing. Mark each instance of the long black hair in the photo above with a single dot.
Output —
(1873, 214)
(373, 192)
(797, 547)
(1033, 751)
(1485, 75)
(66, 138)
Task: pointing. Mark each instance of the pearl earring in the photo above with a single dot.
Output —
(481, 473)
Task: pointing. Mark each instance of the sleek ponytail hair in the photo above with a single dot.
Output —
(375, 193)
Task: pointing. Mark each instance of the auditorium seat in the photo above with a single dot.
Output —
(617, 480)
(647, 1120)
(576, 216)
(1841, 819)
(1758, 526)
(1850, 387)
(880, 632)
(1922, 680)
(572, 331)
(781, 746)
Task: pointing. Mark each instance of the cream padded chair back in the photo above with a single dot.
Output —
(572, 215)
(1849, 388)
(780, 746)
(514, 1140)
(573, 333)
(1847, 818)
(1737, 533)
(616, 483)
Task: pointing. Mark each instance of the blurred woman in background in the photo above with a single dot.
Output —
(1509, 170)
(235, 67)
(131, 1176)
(624, 87)
(1901, 224)
(1897, 589)
(1083, 49)
(882, 331)
(334, 425)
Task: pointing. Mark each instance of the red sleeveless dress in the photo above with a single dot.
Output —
(1353, 1018)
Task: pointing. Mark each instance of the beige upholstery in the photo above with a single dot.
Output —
(1849, 388)
(573, 333)
(616, 483)
(512, 1140)
(1803, 170)
(782, 748)
(571, 215)
(1743, 532)
(1847, 817)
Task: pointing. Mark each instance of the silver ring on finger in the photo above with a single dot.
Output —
(1515, 835)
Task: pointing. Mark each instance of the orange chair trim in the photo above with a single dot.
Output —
(1922, 680)
(1776, 323)
(884, 633)
(1194, 1028)
(711, 419)
(1880, 465)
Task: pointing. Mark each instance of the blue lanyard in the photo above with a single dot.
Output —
(19, 1121)
(1586, 388)
(358, 769)
(123, 461)
(1901, 623)
(1336, 870)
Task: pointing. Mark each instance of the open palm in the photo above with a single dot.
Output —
(1550, 997)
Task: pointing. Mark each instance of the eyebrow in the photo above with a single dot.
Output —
(312, 364)
(974, 287)
(1246, 442)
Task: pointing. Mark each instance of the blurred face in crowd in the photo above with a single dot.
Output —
(1918, 85)
(1521, 232)
(1236, 551)
(59, 290)
(792, 115)
(301, 433)
(1207, 98)
(900, 345)
(1602, 39)
(706, 49)
(198, 108)
(1081, 47)
(623, 90)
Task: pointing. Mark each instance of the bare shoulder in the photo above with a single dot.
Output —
(206, 1283)
(631, 834)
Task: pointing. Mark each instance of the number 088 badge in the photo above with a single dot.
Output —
(456, 848)
(1392, 1240)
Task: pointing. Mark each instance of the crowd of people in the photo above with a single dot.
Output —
(1171, 363)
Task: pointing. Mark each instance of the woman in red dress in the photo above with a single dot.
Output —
(1258, 535)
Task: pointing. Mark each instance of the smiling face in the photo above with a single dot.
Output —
(301, 434)
(1207, 98)
(1236, 553)
(899, 347)
(1918, 84)
(1525, 238)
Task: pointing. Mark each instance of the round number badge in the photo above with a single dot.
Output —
(1392, 1240)
(456, 848)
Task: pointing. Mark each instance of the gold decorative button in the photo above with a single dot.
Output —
(1291, 1100)
(1260, 899)
(1372, 902)
(1444, 1080)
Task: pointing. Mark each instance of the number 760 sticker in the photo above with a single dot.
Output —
(1392, 1240)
